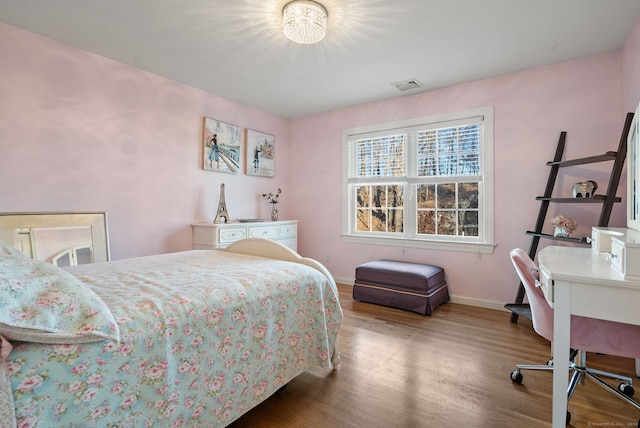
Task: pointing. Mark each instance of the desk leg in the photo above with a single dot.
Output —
(561, 335)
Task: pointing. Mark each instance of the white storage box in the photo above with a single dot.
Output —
(601, 237)
(625, 254)
(621, 246)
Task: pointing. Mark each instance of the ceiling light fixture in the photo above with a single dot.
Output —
(304, 21)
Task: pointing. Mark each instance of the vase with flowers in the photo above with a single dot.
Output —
(563, 226)
(273, 200)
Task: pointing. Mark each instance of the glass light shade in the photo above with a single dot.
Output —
(304, 21)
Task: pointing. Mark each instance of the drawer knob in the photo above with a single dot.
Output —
(610, 256)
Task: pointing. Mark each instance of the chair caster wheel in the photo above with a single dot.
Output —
(516, 376)
(626, 389)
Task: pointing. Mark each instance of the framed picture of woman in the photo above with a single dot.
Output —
(220, 146)
(261, 154)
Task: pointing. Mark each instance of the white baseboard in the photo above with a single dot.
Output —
(345, 281)
(480, 303)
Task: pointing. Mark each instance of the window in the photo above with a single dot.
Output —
(424, 182)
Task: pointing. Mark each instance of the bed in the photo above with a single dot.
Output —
(188, 339)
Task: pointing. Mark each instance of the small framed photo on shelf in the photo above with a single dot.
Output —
(220, 146)
(261, 154)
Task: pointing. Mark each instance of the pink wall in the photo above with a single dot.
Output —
(531, 109)
(80, 132)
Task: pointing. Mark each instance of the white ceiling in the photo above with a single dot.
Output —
(236, 49)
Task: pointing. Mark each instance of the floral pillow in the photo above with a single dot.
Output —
(43, 303)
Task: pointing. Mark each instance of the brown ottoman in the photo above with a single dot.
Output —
(411, 286)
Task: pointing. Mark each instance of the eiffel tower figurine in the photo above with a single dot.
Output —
(222, 208)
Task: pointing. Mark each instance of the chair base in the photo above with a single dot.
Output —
(580, 372)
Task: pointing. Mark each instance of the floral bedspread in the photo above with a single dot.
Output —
(205, 336)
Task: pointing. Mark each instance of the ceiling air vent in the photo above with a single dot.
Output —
(405, 85)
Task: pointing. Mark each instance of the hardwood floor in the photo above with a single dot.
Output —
(452, 369)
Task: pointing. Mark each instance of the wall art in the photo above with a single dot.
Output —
(261, 154)
(221, 146)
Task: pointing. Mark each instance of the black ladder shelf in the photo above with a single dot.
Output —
(518, 308)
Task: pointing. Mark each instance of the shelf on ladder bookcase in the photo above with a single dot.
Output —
(518, 308)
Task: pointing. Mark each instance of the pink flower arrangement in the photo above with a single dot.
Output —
(566, 223)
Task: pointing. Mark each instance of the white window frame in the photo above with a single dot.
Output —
(484, 243)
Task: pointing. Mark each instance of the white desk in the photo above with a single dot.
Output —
(580, 281)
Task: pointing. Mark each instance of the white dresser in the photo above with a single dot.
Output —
(209, 236)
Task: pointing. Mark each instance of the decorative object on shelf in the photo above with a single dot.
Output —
(261, 154)
(584, 189)
(221, 146)
(304, 21)
(250, 220)
(563, 226)
(273, 200)
(222, 208)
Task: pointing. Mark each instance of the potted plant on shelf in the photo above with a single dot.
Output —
(563, 226)
(273, 200)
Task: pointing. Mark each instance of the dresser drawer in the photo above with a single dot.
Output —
(229, 235)
(290, 242)
(211, 236)
(266, 232)
(287, 230)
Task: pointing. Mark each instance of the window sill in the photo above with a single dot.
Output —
(463, 247)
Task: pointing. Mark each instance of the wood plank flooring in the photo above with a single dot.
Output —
(451, 369)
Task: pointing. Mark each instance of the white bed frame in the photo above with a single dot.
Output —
(274, 250)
